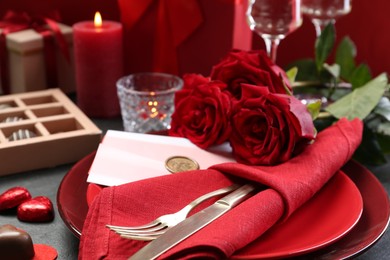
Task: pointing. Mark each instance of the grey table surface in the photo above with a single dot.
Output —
(46, 182)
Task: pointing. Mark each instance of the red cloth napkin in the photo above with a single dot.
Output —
(289, 186)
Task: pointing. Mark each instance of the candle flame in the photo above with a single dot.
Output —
(98, 20)
(153, 108)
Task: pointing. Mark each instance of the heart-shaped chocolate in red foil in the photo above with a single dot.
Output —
(38, 209)
(13, 197)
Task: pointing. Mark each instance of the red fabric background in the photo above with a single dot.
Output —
(71, 10)
(367, 25)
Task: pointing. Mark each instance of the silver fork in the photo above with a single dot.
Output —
(162, 223)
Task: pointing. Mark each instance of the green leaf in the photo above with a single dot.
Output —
(334, 69)
(292, 74)
(345, 57)
(314, 109)
(324, 45)
(360, 76)
(306, 70)
(361, 101)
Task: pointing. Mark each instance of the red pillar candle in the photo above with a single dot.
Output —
(98, 51)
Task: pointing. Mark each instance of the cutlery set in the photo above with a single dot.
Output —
(171, 229)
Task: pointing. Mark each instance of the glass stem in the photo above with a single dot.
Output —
(271, 45)
(320, 25)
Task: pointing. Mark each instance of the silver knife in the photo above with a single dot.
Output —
(186, 228)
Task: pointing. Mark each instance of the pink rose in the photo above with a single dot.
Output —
(268, 128)
(202, 111)
(251, 67)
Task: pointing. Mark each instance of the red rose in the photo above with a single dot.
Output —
(268, 128)
(190, 81)
(251, 67)
(202, 111)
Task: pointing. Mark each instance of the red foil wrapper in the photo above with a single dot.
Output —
(13, 197)
(38, 209)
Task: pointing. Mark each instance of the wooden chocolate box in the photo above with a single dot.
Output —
(59, 132)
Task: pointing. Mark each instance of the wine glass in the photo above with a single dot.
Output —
(323, 12)
(273, 20)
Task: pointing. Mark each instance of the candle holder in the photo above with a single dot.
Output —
(147, 101)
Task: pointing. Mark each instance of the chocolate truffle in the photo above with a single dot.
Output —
(15, 244)
(21, 134)
(11, 119)
(4, 106)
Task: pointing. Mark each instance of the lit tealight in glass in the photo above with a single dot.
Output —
(153, 108)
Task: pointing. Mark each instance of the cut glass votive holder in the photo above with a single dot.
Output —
(147, 101)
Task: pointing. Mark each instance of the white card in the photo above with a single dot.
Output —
(124, 157)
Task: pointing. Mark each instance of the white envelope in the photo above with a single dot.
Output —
(124, 157)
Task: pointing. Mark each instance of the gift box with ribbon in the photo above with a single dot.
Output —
(35, 54)
(177, 37)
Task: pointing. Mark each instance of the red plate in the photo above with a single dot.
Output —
(73, 207)
(331, 214)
